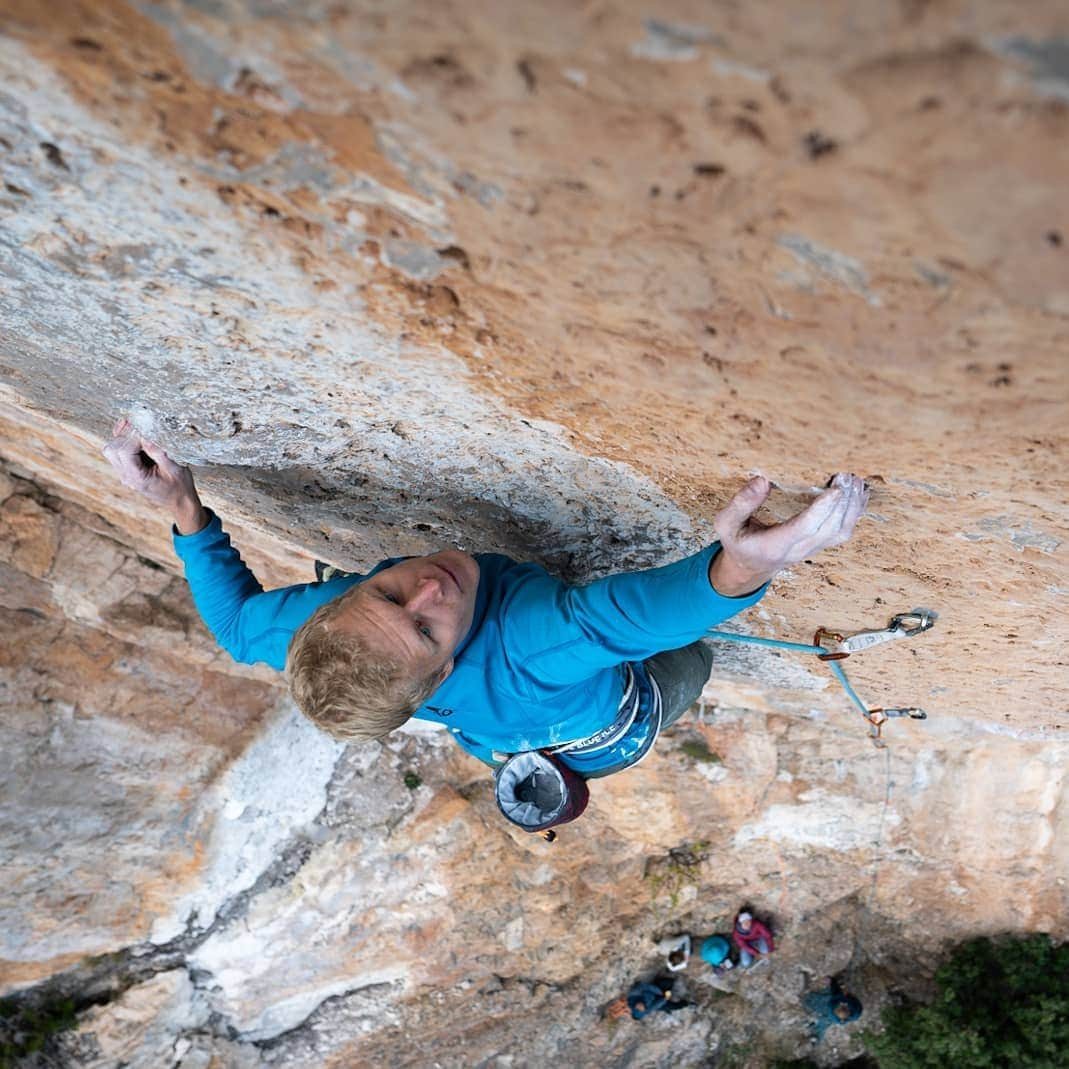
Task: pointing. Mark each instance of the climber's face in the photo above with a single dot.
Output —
(419, 609)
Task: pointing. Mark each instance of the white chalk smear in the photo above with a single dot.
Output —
(144, 419)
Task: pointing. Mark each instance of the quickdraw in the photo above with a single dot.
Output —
(878, 717)
(833, 647)
(903, 625)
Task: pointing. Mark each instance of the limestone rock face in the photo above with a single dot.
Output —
(547, 280)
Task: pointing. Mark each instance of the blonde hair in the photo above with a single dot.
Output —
(347, 688)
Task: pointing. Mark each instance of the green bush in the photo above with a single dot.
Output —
(1001, 1005)
(25, 1030)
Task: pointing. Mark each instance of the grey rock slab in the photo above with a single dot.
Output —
(673, 41)
(75, 791)
(276, 787)
(1048, 59)
(834, 265)
(208, 292)
(142, 1028)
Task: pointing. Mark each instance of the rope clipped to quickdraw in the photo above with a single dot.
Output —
(861, 931)
(833, 647)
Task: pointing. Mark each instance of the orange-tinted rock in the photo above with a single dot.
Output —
(27, 535)
(549, 284)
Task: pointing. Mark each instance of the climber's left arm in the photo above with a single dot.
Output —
(564, 634)
(752, 552)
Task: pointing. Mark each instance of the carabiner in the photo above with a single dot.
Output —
(823, 633)
(912, 712)
(876, 719)
(924, 621)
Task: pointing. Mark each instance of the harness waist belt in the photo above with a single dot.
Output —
(609, 736)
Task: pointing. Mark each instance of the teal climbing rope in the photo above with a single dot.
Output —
(922, 619)
(850, 692)
(799, 647)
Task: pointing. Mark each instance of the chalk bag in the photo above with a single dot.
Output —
(536, 792)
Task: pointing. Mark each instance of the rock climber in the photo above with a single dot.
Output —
(507, 657)
(716, 950)
(676, 951)
(831, 1006)
(753, 939)
(646, 997)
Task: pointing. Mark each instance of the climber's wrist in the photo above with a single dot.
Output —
(190, 516)
(733, 579)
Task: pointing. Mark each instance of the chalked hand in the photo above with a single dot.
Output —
(145, 467)
(753, 552)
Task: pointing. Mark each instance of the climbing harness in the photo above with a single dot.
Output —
(833, 647)
(537, 790)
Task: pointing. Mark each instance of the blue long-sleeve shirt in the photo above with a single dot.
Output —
(542, 663)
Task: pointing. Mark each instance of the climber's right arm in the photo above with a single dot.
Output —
(251, 624)
(218, 577)
(145, 467)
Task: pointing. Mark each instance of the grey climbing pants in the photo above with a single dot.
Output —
(680, 674)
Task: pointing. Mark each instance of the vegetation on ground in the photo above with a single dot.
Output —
(25, 1030)
(1001, 1004)
(698, 750)
(667, 876)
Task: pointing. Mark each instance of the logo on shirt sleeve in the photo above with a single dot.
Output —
(439, 711)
